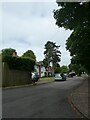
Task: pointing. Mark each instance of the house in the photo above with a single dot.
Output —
(40, 69)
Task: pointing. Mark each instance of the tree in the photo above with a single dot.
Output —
(52, 54)
(45, 63)
(29, 54)
(76, 66)
(64, 69)
(57, 68)
(76, 17)
(8, 52)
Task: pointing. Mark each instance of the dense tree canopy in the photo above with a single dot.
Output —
(52, 54)
(76, 17)
(76, 66)
(29, 54)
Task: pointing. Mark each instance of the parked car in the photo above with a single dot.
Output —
(66, 75)
(35, 77)
(71, 74)
(59, 77)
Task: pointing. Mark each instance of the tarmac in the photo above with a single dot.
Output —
(79, 97)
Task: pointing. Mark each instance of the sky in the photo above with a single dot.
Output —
(29, 25)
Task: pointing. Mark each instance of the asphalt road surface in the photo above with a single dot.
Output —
(40, 101)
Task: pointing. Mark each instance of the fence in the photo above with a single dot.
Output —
(14, 77)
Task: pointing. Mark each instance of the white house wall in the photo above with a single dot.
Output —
(42, 70)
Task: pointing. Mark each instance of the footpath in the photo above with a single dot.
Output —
(28, 85)
(80, 98)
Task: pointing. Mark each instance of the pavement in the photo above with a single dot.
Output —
(80, 98)
(28, 85)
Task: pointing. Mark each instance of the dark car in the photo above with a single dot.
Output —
(35, 77)
(71, 74)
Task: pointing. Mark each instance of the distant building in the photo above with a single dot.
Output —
(40, 69)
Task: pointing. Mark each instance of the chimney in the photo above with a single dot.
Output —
(14, 54)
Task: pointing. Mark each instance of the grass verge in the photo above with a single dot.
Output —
(46, 78)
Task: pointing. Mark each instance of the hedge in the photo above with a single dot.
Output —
(19, 63)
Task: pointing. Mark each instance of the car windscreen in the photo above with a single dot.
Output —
(57, 75)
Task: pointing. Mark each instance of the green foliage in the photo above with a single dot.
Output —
(76, 16)
(72, 14)
(57, 68)
(77, 68)
(45, 63)
(56, 65)
(29, 54)
(19, 63)
(52, 54)
(7, 52)
(24, 63)
(64, 69)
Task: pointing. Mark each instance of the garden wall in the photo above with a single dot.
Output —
(14, 77)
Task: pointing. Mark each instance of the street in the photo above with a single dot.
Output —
(40, 101)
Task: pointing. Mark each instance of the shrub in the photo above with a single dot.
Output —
(19, 63)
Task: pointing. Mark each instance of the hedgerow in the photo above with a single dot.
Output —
(19, 63)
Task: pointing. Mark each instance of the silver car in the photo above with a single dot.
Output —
(59, 77)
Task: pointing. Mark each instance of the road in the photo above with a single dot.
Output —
(40, 101)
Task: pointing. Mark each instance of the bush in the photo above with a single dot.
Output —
(19, 63)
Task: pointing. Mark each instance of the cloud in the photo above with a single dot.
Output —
(29, 26)
(0, 25)
(28, 1)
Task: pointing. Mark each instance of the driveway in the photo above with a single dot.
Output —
(40, 101)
